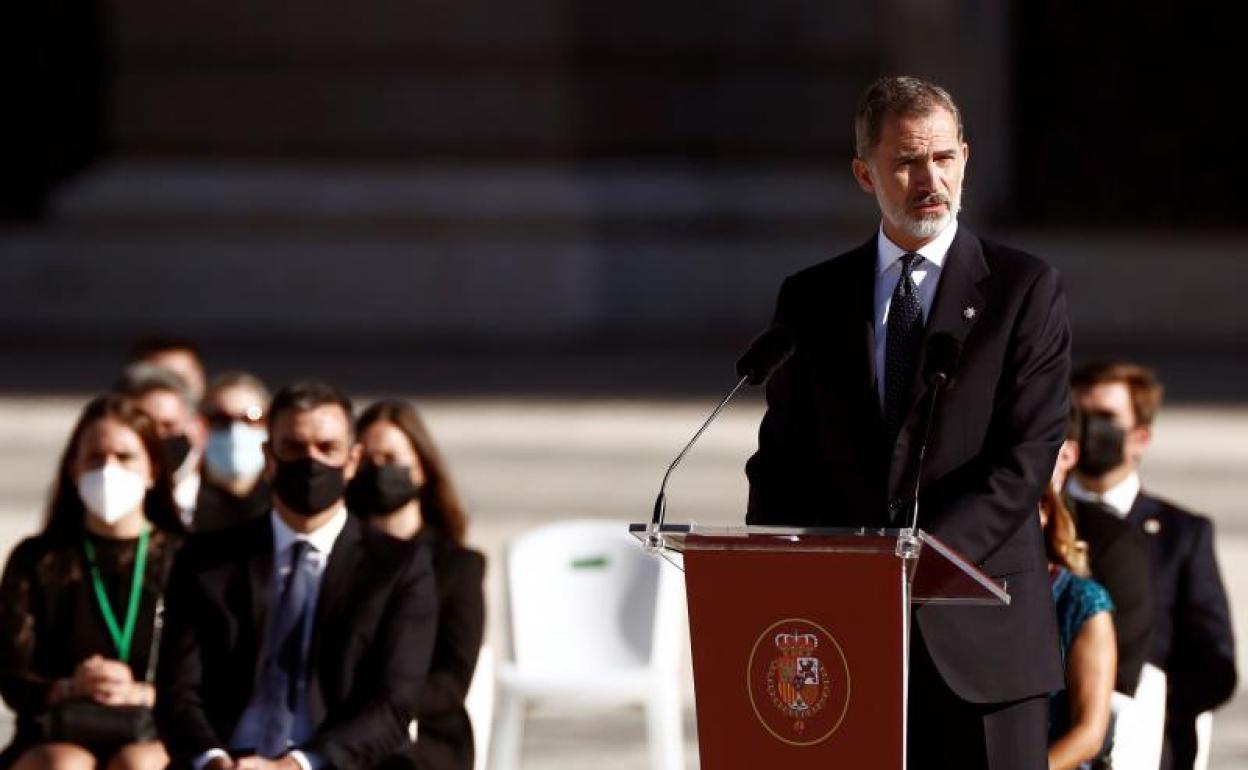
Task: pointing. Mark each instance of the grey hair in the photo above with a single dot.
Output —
(237, 379)
(892, 96)
(140, 378)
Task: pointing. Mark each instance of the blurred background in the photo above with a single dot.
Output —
(555, 224)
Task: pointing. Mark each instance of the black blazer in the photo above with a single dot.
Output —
(822, 458)
(445, 740)
(371, 642)
(50, 619)
(1192, 636)
(1118, 556)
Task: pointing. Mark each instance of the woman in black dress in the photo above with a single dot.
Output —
(403, 488)
(78, 602)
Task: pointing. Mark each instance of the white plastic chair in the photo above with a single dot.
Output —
(595, 621)
(1204, 737)
(479, 703)
(1140, 722)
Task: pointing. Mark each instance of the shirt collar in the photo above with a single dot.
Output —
(935, 251)
(1120, 497)
(322, 539)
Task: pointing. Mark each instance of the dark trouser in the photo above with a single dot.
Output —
(946, 732)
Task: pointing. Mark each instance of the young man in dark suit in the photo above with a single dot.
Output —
(845, 414)
(1118, 558)
(300, 640)
(1192, 640)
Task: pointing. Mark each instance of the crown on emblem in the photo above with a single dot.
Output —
(796, 644)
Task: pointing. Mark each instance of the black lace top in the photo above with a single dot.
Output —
(50, 620)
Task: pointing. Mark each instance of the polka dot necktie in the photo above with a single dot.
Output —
(901, 352)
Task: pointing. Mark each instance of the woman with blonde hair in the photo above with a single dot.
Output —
(1079, 716)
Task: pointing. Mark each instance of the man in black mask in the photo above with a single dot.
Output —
(302, 639)
(1192, 636)
(166, 398)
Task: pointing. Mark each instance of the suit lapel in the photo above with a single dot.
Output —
(345, 561)
(1142, 509)
(861, 304)
(958, 305)
(957, 297)
(260, 586)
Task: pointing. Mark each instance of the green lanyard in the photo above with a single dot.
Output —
(121, 639)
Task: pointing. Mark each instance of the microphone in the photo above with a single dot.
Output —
(769, 349)
(766, 353)
(943, 352)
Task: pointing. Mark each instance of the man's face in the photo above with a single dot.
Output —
(1114, 400)
(915, 172)
(322, 433)
(172, 416)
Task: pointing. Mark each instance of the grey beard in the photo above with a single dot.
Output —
(925, 227)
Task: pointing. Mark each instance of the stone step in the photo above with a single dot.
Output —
(420, 196)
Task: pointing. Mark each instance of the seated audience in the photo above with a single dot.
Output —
(302, 639)
(1193, 640)
(79, 602)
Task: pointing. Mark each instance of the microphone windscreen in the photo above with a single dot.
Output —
(943, 351)
(765, 354)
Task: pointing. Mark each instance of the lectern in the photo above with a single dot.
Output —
(800, 637)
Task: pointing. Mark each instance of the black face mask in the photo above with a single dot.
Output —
(1102, 447)
(176, 449)
(379, 489)
(307, 486)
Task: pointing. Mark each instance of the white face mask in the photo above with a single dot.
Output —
(236, 452)
(111, 492)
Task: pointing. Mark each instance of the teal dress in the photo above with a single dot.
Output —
(1077, 600)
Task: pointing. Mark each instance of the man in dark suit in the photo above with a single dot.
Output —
(1192, 639)
(1118, 558)
(299, 640)
(845, 417)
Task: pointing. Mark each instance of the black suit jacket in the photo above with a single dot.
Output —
(1118, 556)
(371, 642)
(445, 734)
(822, 458)
(1192, 636)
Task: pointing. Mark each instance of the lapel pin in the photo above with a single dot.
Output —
(969, 312)
(1152, 526)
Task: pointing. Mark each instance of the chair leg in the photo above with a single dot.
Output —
(665, 732)
(508, 732)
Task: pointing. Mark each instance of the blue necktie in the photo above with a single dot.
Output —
(283, 677)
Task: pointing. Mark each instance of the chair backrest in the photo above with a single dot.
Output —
(479, 703)
(583, 596)
(1139, 721)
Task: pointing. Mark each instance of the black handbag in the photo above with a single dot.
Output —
(88, 723)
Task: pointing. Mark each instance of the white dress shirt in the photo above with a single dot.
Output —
(321, 542)
(926, 275)
(1119, 497)
(186, 495)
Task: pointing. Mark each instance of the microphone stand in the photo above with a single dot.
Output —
(908, 543)
(654, 540)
